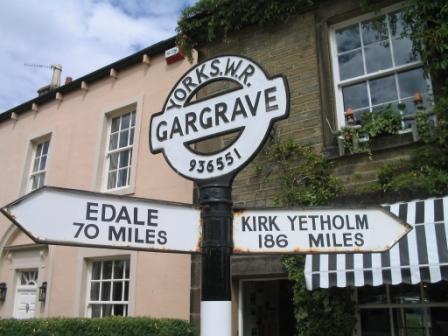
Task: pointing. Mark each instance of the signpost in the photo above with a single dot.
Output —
(316, 230)
(71, 217)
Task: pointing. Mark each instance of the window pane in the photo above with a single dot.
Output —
(126, 269)
(118, 269)
(348, 38)
(35, 181)
(436, 292)
(96, 310)
(119, 310)
(355, 96)
(122, 177)
(112, 180)
(403, 51)
(125, 119)
(39, 149)
(411, 82)
(405, 293)
(124, 135)
(105, 291)
(350, 65)
(396, 24)
(113, 141)
(369, 294)
(95, 291)
(409, 321)
(374, 30)
(117, 291)
(133, 119)
(115, 124)
(439, 324)
(124, 159)
(36, 164)
(378, 56)
(113, 161)
(107, 310)
(383, 90)
(375, 322)
(107, 269)
(43, 162)
(126, 291)
(131, 137)
(45, 147)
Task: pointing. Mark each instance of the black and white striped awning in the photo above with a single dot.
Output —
(421, 256)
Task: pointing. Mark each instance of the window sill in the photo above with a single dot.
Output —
(122, 191)
(377, 144)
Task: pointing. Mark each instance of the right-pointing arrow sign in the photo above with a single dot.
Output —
(316, 230)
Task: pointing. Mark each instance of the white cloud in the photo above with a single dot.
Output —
(81, 35)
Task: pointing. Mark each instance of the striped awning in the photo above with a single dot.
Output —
(420, 256)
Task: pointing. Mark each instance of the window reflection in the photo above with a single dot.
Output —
(405, 293)
(375, 322)
(409, 322)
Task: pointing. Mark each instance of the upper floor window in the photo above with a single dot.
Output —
(39, 164)
(374, 66)
(109, 288)
(119, 150)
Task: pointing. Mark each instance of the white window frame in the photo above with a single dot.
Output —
(131, 148)
(90, 281)
(43, 172)
(338, 84)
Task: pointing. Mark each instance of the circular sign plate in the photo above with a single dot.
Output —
(250, 110)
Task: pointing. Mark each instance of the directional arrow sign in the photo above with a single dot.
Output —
(72, 217)
(316, 230)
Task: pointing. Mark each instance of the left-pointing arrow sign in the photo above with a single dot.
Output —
(72, 217)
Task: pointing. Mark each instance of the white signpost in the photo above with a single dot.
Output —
(316, 230)
(72, 217)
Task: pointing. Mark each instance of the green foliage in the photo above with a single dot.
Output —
(212, 20)
(387, 120)
(111, 326)
(321, 311)
(303, 176)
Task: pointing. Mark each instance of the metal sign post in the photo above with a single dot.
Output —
(249, 110)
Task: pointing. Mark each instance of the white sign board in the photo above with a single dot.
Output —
(72, 217)
(316, 230)
(250, 110)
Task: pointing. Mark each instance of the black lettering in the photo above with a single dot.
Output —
(123, 215)
(220, 113)
(190, 121)
(323, 222)
(136, 221)
(129, 234)
(90, 211)
(161, 136)
(238, 109)
(272, 223)
(268, 98)
(172, 104)
(180, 94)
(176, 128)
(115, 235)
(200, 74)
(347, 237)
(245, 223)
(292, 220)
(262, 221)
(253, 107)
(361, 222)
(162, 240)
(316, 241)
(313, 220)
(349, 227)
(359, 239)
(249, 71)
(152, 215)
(341, 222)
(231, 68)
(150, 235)
(137, 239)
(215, 67)
(91, 231)
(188, 83)
(302, 222)
(335, 240)
(205, 123)
(104, 216)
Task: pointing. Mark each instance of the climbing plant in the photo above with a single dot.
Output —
(305, 178)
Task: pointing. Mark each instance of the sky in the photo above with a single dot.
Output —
(81, 35)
